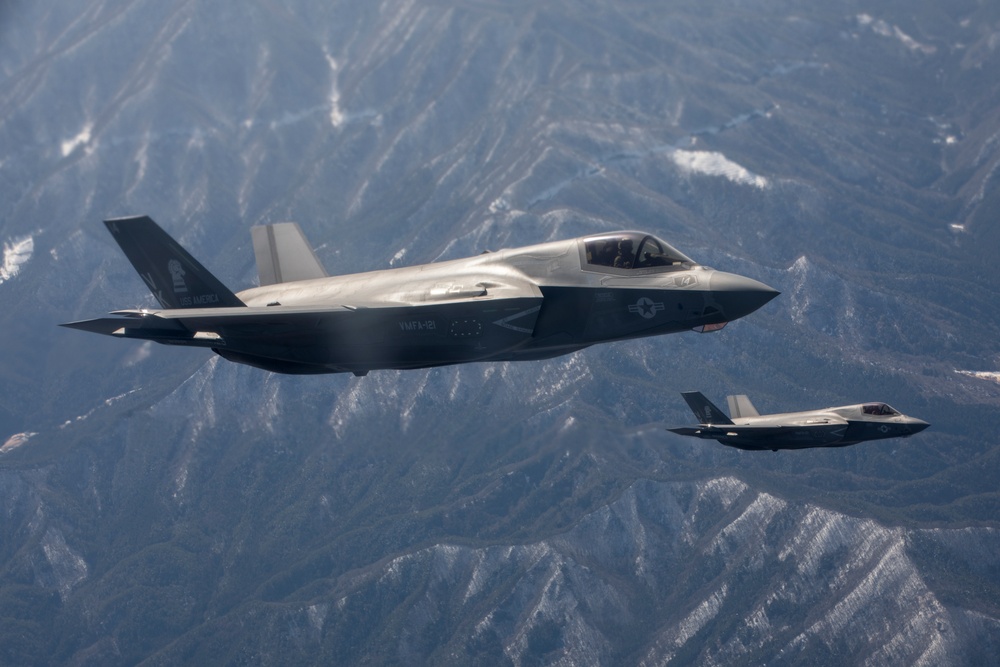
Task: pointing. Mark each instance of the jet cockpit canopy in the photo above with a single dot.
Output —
(631, 251)
(878, 409)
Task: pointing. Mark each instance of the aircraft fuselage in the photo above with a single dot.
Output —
(529, 303)
(526, 303)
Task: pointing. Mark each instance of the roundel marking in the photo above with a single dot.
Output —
(646, 307)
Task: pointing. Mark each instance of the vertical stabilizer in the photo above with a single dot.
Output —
(740, 406)
(284, 255)
(175, 278)
(704, 410)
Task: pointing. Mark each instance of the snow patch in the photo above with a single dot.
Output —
(337, 117)
(563, 379)
(568, 424)
(712, 163)
(800, 299)
(982, 375)
(701, 615)
(748, 527)
(726, 489)
(348, 405)
(291, 118)
(317, 615)
(68, 568)
(477, 580)
(15, 441)
(270, 407)
(498, 205)
(16, 254)
(880, 27)
(107, 402)
(82, 139)
(674, 638)
(393, 574)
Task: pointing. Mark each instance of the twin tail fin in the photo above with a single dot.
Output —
(740, 406)
(175, 278)
(705, 411)
(284, 255)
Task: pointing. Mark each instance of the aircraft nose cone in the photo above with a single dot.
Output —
(916, 425)
(738, 295)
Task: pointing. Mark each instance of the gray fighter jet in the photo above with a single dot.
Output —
(830, 427)
(536, 302)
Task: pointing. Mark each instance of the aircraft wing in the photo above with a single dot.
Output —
(207, 327)
(729, 431)
(762, 431)
(465, 319)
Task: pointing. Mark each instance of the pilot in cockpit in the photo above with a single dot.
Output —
(625, 254)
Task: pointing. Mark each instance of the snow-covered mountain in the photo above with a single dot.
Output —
(163, 505)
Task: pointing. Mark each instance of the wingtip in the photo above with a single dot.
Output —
(125, 218)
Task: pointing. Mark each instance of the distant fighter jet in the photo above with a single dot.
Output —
(830, 427)
(536, 302)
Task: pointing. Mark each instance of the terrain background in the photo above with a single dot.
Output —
(161, 505)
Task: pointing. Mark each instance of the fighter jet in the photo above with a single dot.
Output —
(830, 427)
(535, 302)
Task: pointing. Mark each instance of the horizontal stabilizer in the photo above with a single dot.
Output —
(175, 278)
(168, 332)
(101, 325)
(284, 255)
(685, 430)
(704, 410)
(740, 406)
